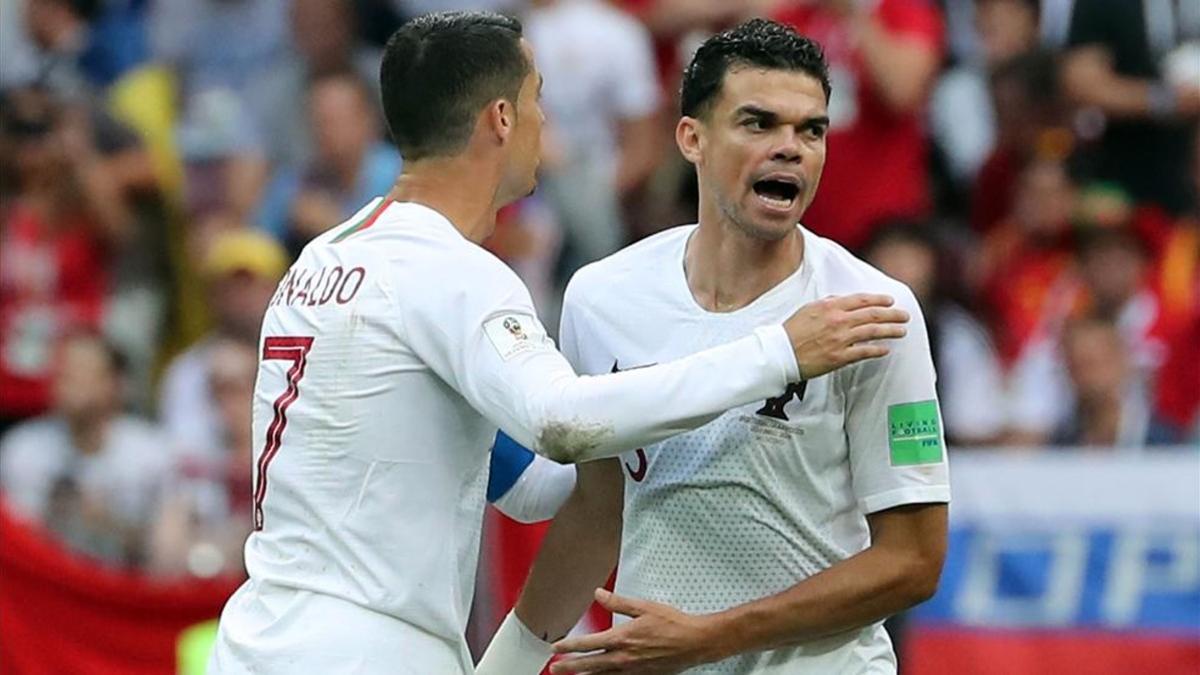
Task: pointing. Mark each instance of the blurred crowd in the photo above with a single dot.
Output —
(1030, 169)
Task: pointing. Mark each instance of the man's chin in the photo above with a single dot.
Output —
(773, 225)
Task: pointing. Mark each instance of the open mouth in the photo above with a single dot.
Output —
(777, 193)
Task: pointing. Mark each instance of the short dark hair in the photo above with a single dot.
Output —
(757, 43)
(440, 70)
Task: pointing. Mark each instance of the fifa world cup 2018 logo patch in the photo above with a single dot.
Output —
(514, 328)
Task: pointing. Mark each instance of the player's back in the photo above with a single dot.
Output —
(370, 470)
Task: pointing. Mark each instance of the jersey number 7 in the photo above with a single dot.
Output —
(294, 349)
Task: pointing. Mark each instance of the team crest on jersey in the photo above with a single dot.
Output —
(513, 326)
(774, 407)
(770, 422)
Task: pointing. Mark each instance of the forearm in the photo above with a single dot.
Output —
(577, 556)
(859, 591)
(104, 202)
(901, 69)
(574, 419)
(1089, 80)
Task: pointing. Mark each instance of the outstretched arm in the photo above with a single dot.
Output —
(481, 335)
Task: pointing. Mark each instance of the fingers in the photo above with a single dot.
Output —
(587, 643)
(876, 315)
(596, 663)
(876, 331)
(855, 301)
(631, 607)
(863, 352)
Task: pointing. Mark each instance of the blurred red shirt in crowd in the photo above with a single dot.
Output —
(876, 168)
(53, 279)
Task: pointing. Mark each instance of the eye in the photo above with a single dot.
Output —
(754, 123)
(816, 131)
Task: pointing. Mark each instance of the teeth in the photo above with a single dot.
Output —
(776, 201)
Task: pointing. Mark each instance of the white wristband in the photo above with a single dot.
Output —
(514, 651)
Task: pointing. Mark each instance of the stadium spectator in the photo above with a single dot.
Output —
(1110, 408)
(84, 45)
(205, 519)
(883, 59)
(91, 474)
(962, 118)
(1142, 110)
(242, 268)
(1177, 399)
(322, 40)
(61, 224)
(1029, 123)
(601, 97)
(351, 166)
(1025, 264)
(1110, 280)
(219, 50)
(970, 379)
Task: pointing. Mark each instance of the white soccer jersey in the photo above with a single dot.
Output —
(392, 350)
(772, 492)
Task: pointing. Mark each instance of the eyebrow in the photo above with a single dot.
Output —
(755, 111)
(819, 121)
(771, 117)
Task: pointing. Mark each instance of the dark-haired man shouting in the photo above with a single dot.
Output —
(776, 538)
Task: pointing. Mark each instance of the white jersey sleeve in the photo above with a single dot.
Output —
(893, 423)
(477, 329)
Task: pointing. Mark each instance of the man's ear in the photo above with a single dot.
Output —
(500, 118)
(690, 139)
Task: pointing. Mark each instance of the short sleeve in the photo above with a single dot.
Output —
(894, 424)
(26, 470)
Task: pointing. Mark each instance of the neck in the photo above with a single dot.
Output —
(88, 432)
(727, 269)
(67, 35)
(452, 188)
(346, 169)
(1101, 419)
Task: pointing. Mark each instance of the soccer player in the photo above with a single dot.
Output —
(394, 348)
(776, 538)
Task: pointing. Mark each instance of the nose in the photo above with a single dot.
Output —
(787, 146)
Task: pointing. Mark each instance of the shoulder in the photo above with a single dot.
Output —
(142, 444)
(141, 435)
(189, 364)
(31, 445)
(619, 22)
(632, 269)
(840, 272)
(600, 16)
